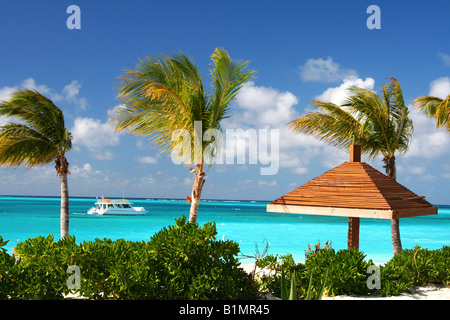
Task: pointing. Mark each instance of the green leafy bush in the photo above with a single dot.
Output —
(415, 267)
(39, 274)
(270, 282)
(190, 264)
(183, 261)
(347, 270)
(7, 263)
(346, 273)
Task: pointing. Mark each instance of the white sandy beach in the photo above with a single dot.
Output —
(417, 293)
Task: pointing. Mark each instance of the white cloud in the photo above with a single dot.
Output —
(320, 70)
(85, 180)
(86, 171)
(188, 181)
(70, 92)
(446, 58)
(72, 89)
(440, 87)
(300, 170)
(94, 135)
(428, 178)
(39, 178)
(262, 183)
(147, 160)
(264, 107)
(148, 180)
(446, 171)
(331, 157)
(30, 83)
(338, 94)
(258, 107)
(427, 141)
(416, 170)
(6, 93)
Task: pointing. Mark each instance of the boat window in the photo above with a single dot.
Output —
(119, 205)
(126, 206)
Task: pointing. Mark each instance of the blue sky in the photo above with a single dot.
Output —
(301, 50)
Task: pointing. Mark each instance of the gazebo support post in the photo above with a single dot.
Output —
(353, 233)
(355, 153)
(353, 223)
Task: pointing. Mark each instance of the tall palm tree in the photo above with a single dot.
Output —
(166, 95)
(379, 123)
(437, 108)
(38, 137)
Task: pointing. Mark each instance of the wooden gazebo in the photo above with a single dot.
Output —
(355, 190)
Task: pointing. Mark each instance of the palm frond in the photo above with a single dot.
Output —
(437, 108)
(165, 94)
(20, 144)
(333, 125)
(380, 124)
(40, 134)
(228, 78)
(386, 117)
(401, 123)
(396, 101)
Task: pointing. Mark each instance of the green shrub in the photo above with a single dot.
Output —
(132, 276)
(41, 272)
(347, 271)
(7, 262)
(415, 267)
(271, 282)
(190, 264)
(183, 261)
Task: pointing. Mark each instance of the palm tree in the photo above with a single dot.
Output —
(166, 95)
(380, 124)
(437, 108)
(386, 119)
(39, 137)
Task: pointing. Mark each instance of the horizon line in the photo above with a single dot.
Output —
(137, 198)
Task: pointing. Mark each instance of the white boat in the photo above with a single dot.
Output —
(116, 207)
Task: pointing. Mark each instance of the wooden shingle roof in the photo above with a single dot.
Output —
(353, 189)
(354, 185)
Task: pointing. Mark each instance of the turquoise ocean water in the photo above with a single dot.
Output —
(245, 222)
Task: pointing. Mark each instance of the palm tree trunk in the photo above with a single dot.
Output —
(196, 192)
(395, 234)
(62, 169)
(64, 219)
(389, 165)
(391, 172)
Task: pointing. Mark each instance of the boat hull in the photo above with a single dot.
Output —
(135, 211)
